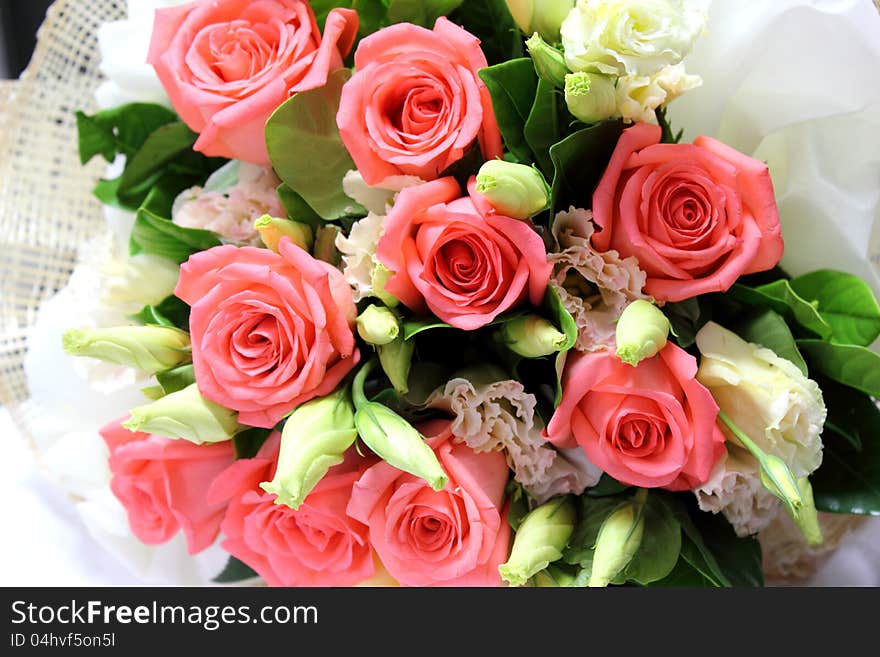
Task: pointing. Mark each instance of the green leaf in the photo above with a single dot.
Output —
(591, 515)
(122, 129)
(543, 127)
(415, 326)
(684, 316)
(667, 136)
(518, 504)
(660, 546)
(297, 208)
(845, 301)
(739, 559)
(684, 575)
(235, 571)
(161, 147)
(849, 479)
(491, 22)
(693, 548)
(851, 365)
(307, 152)
(171, 311)
(176, 379)
(513, 86)
(565, 323)
(579, 161)
(607, 486)
(780, 297)
(769, 330)
(419, 12)
(248, 442)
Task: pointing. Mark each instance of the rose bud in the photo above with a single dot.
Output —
(392, 438)
(549, 62)
(514, 190)
(540, 540)
(542, 16)
(641, 332)
(185, 414)
(806, 518)
(531, 336)
(377, 325)
(314, 439)
(590, 97)
(619, 539)
(396, 360)
(272, 229)
(148, 348)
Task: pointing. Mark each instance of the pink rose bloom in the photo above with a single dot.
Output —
(453, 256)
(454, 537)
(228, 64)
(696, 216)
(269, 330)
(651, 426)
(316, 545)
(162, 484)
(415, 103)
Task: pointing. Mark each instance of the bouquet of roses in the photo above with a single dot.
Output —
(433, 294)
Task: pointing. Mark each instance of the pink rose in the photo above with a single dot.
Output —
(453, 256)
(651, 426)
(162, 484)
(696, 216)
(269, 330)
(316, 545)
(415, 103)
(228, 64)
(454, 537)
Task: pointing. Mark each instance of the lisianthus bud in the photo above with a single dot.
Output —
(396, 360)
(807, 518)
(549, 62)
(619, 539)
(185, 414)
(514, 190)
(540, 540)
(590, 97)
(377, 325)
(542, 16)
(272, 229)
(531, 336)
(553, 577)
(379, 276)
(641, 332)
(313, 440)
(148, 348)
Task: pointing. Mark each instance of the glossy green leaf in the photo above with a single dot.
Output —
(851, 365)
(845, 301)
(235, 571)
(512, 85)
(122, 129)
(780, 297)
(176, 379)
(769, 330)
(591, 515)
(160, 148)
(491, 22)
(660, 547)
(171, 311)
(684, 318)
(565, 323)
(296, 207)
(684, 575)
(738, 558)
(544, 125)
(607, 486)
(248, 442)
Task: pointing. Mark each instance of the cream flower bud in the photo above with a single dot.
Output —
(617, 543)
(641, 333)
(185, 414)
(539, 541)
(590, 97)
(396, 360)
(541, 16)
(272, 229)
(377, 325)
(531, 336)
(314, 439)
(147, 348)
(514, 190)
(549, 62)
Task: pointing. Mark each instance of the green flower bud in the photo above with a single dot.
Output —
(379, 276)
(313, 440)
(619, 539)
(185, 414)
(148, 348)
(539, 541)
(554, 577)
(377, 325)
(514, 190)
(394, 439)
(542, 16)
(396, 360)
(807, 518)
(641, 332)
(549, 62)
(531, 336)
(591, 97)
(272, 229)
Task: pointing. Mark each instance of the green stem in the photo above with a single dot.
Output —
(743, 438)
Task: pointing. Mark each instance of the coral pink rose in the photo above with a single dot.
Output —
(316, 545)
(415, 104)
(696, 216)
(162, 484)
(454, 537)
(453, 256)
(228, 64)
(651, 426)
(269, 330)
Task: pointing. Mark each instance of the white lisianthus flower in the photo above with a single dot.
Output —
(376, 198)
(639, 95)
(766, 396)
(630, 37)
(359, 253)
(734, 488)
(594, 287)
